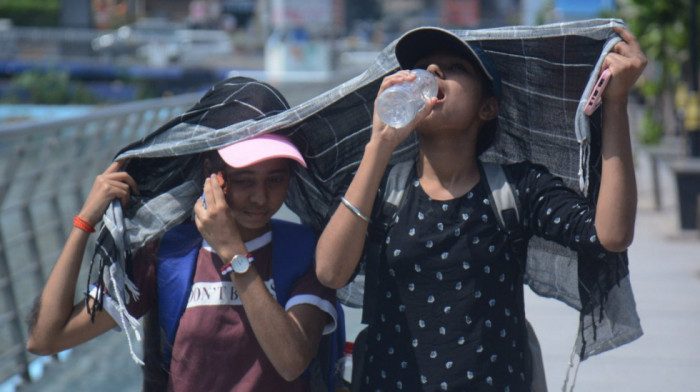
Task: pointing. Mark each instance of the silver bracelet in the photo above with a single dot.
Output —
(354, 209)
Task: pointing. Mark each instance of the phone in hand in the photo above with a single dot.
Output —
(222, 183)
(594, 100)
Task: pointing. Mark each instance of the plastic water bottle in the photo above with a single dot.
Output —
(343, 370)
(399, 104)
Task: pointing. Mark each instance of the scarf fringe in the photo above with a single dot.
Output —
(574, 360)
(133, 323)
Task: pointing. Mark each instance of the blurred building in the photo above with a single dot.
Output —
(302, 36)
(547, 11)
(453, 13)
(398, 15)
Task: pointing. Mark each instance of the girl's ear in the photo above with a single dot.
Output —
(489, 109)
(212, 163)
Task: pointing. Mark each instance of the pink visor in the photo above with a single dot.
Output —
(260, 148)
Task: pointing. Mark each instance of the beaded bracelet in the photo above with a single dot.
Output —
(83, 224)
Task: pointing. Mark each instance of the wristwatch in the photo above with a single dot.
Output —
(239, 264)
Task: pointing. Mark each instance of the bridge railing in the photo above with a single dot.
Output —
(46, 171)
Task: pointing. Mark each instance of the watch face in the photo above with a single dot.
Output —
(240, 264)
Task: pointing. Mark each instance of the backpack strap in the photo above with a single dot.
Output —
(505, 205)
(501, 191)
(177, 257)
(293, 250)
(396, 184)
(392, 197)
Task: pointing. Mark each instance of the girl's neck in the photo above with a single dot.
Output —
(248, 234)
(447, 167)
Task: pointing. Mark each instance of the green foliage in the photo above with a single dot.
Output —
(45, 13)
(650, 88)
(662, 30)
(50, 87)
(545, 12)
(652, 130)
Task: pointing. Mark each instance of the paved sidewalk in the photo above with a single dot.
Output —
(100, 365)
(665, 277)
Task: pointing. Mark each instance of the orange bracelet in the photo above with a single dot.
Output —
(83, 224)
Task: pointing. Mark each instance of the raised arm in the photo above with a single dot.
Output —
(58, 323)
(341, 244)
(617, 200)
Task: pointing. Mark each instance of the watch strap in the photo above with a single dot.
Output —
(227, 268)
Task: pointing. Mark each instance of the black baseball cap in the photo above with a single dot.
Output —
(424, 41)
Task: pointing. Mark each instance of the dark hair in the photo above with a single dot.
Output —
(487, 133)
(213, 163)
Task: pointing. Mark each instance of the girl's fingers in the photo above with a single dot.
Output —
(213, 193)
(626, 61)
(110, 185)
(621, 48)
(209, 194)
(114, 167)
(114, 172)
(626, 50)
(217, 191)
(126, 179)
(117, 190)
(198, 209)
(626, 35)
(398, 77)
(629, 47)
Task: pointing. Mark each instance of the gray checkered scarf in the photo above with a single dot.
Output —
(547, 71)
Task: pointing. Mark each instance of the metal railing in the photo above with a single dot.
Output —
(44, 44)
(46, 169)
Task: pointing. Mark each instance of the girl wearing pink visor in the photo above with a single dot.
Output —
(246, 185)
(232, 311)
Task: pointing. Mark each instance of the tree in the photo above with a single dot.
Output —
(43, 13)
(662, 28)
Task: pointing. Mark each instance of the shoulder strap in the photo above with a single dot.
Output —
(393, 196)
(293, 249)
(501, 192)
(396, 183)
(504, 205)
(177, 256)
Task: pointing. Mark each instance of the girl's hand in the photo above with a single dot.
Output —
(386, 133)
(216, 222)
(111, 184)
(626, 61)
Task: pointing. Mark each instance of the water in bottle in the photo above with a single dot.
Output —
(399, 104)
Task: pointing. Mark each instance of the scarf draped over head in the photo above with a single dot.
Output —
(167, 166)
(547, 73)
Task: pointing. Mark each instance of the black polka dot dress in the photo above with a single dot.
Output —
(451, 310)
(450, 300)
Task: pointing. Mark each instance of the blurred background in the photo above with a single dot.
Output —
(79, 79)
